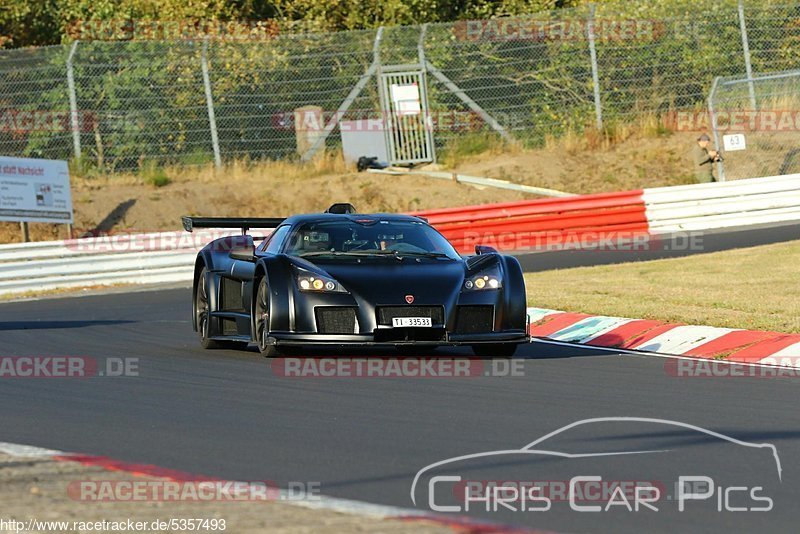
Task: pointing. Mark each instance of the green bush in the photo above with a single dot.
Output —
(154, 175)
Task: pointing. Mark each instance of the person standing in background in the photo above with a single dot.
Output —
(704, 160)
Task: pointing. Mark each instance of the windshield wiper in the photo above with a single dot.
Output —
(424, 254)
(399, 254)
(352, 253)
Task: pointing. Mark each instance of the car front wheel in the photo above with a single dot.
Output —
(261, 311)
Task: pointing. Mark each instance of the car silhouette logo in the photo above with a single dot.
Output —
(533, 447)
(410, 299)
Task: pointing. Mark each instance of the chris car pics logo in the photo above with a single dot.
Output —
(450, 485)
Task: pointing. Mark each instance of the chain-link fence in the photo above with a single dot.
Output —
(757, 121)
(123, 105)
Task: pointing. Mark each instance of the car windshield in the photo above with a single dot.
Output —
(368, 237)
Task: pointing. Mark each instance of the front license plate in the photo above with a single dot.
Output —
(400, 322)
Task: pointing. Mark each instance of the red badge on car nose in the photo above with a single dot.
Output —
(409, 299)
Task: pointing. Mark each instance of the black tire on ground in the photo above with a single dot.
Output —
(261, 314)
(495, 350)
(200, 305)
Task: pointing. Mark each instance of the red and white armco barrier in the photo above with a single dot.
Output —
(625, 219)
(543, 223)
(621, 218)
(729, 344)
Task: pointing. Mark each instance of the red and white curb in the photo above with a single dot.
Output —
(725, 344)
(318, 502)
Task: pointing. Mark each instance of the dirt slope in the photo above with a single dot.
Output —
(129, 203)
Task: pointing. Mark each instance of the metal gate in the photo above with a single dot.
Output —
(409, 129)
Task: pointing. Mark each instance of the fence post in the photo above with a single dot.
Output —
(423, 33)
(212, 120)
(421, 44)
(714, 128)
(746, 48)
(595, 76)
(73, 103)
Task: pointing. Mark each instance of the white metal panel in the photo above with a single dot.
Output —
(95, 264)
(736, 204)
(723, 204)
(733, 184)
(728, 220)
(155, 276)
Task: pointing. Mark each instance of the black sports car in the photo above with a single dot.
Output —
(342, 278)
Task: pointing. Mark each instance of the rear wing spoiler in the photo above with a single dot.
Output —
(243, 223)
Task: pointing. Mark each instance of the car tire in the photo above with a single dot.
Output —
(200, 307)
(495, 350)
(261, 320)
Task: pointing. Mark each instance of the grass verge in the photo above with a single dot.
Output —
(753, 288)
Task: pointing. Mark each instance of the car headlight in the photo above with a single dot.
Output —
(487, 279)
(317, 283)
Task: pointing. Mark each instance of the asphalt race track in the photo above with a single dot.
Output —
(229, 414)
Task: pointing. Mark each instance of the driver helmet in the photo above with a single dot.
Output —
(387, 240)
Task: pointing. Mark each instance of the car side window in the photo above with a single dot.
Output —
(276, 240)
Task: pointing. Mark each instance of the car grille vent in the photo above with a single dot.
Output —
(229, 327)
(336, 320)
(474, 319)
(231, 295)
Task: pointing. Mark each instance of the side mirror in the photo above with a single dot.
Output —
(243, 248)
(484, 249)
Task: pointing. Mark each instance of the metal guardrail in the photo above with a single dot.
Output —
(169, 256)
(533, 224)
(163, 257)
(723, 204)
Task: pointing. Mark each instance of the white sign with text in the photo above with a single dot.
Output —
(734, 142)
(35, 190)
(406, 99)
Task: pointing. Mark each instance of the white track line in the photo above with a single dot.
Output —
(320, 502)
(27, 451)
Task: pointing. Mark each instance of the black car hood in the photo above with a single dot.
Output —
(389, 281)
